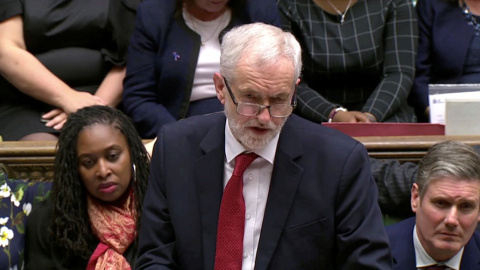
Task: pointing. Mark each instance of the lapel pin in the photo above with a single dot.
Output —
(176, 56)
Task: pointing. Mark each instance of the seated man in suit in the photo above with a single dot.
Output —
(306, 201)
(446, 201)
(394, 180)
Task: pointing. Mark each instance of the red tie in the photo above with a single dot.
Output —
(231, 220)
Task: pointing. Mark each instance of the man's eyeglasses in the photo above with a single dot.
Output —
(252, 109)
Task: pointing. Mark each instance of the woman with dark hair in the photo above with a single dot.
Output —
(92, 216)
(448, 48)
(173, 54)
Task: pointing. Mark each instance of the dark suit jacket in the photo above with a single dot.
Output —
(400, 236)
(443, 42)
(321, 212)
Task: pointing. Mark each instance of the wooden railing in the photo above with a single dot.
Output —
(34, 160)
(408, 148)
(27, 160)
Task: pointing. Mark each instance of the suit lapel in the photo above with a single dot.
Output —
(285, 178)
(471, 257)
(209, 183)
(403, 250)
(404, 255)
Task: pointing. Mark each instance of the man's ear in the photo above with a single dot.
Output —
(415, 198)
(219, 86)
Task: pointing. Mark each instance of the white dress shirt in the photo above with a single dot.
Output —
(256, 183)
(423, 259)
(209, 56)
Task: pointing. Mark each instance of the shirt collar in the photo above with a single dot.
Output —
(233, 147)
(423, 259)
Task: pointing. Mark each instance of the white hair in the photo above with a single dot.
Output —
(262, 43)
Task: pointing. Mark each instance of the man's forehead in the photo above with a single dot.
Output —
(272, 68)
(455, 188)
(257, 79)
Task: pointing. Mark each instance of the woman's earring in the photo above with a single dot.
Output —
(134, 172)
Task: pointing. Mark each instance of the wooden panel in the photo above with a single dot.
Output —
(34, 160)
(28, 160)
(408, 148)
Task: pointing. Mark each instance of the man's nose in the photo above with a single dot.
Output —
(451, 217)
(264, 115)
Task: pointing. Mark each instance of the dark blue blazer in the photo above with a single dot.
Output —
(321, 212)
(400, 236)
(444, 39)
(162, 58)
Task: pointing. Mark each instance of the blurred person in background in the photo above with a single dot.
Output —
(174, 52)
(57, 56)
(359, 58)
(448, 48)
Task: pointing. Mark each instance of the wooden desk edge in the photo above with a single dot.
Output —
(34, 160)
(373, 143)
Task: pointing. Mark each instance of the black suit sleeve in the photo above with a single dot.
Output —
(394, 181)
(361, 239)
(156, 239)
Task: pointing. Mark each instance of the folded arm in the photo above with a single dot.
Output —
(400, 43)
(394, 180)
(28, 75)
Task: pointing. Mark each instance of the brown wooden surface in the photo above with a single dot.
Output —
(34, 160)
(407, 148)
(27, 160)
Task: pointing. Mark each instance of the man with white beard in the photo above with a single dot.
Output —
(257, 187)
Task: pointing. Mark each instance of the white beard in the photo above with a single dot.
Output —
(244, 135)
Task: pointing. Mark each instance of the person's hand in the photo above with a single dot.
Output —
(350, 117)
(371, 117)
(77, 100)
(55, 118)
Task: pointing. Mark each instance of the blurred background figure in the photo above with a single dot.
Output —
(174, 52)
(91, 218)
(57, 56)
(359, 58)
(448, 47)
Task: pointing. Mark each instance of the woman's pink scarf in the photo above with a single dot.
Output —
(115, 228)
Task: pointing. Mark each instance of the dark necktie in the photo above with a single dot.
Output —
(435, 267)
(231, 220)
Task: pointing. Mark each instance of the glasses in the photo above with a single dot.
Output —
(251, 109)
